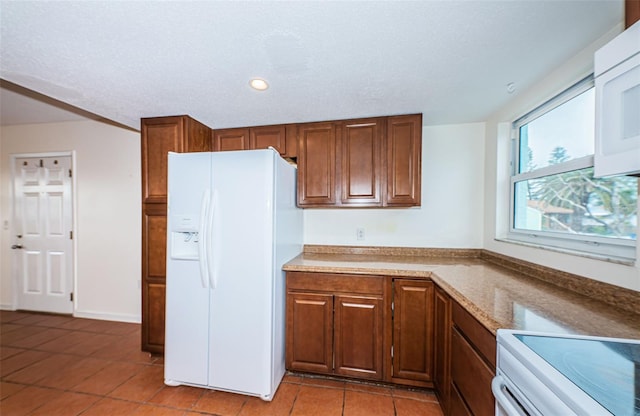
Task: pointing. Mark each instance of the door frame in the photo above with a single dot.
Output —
(74, 225)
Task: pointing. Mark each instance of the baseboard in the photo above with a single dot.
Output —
(135, 319)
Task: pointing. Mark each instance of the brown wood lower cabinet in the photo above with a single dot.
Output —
(471, 376)
(412, 358)
(154, 250)
(400, 330)
(334, 324)
(442, 347)
(344, 324)
(310, 332)
(358, 336)
(456, 406)
(473, 359)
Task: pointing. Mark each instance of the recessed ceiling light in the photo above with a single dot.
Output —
(258, 84)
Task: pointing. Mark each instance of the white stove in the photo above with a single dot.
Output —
(556, 374)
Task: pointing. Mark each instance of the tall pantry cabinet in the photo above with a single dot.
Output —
(160, 135)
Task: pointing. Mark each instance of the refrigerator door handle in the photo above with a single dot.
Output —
(212, 245)
(203, 238)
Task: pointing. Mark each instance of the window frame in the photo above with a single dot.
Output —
(608, 248)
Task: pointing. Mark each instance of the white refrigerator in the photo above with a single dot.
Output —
(232, 223)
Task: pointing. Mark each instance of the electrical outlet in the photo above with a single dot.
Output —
(360, 234)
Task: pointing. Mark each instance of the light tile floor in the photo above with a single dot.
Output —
(58, 365)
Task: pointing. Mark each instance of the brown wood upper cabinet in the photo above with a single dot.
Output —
(230, 139)
(361, 143)
(360, 163)
(158, 137)
(631, 12)
(269, 136)
(317, 164)
(403, 157)
(282, 137)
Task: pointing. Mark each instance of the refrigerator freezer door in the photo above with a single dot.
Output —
(187, 301)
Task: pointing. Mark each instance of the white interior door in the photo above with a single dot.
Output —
(42, 240)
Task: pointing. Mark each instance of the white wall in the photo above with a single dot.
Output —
(464, 201)
(451, 214)
(108, 224)
(497, 177)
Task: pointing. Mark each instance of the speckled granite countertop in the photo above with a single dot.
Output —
(497, 296)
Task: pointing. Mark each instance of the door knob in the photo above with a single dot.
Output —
(15, 246)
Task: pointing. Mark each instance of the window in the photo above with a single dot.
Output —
(556, 201)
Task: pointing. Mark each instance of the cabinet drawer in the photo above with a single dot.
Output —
(478, 335)
(471, 376)
(456, 404)
(344, 283)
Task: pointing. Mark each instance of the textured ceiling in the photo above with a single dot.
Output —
(450, 60)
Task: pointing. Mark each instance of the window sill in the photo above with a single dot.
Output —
(608, 258)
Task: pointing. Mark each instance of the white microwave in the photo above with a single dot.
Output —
(617, 83)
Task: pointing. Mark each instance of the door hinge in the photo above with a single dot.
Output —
(70, 173)
(70, 235)
(71, 297)
(392, 351)
(393, 310)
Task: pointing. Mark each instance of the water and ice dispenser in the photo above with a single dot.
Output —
(184, 238)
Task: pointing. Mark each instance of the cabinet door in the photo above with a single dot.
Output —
(158, 137)
(404, 147)
(442, 345)
(317, 164)
(230, 139)
(154, 249)
(361, 174)
(309, 332)
(263, 137)
(413, 329)
(358, 337)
